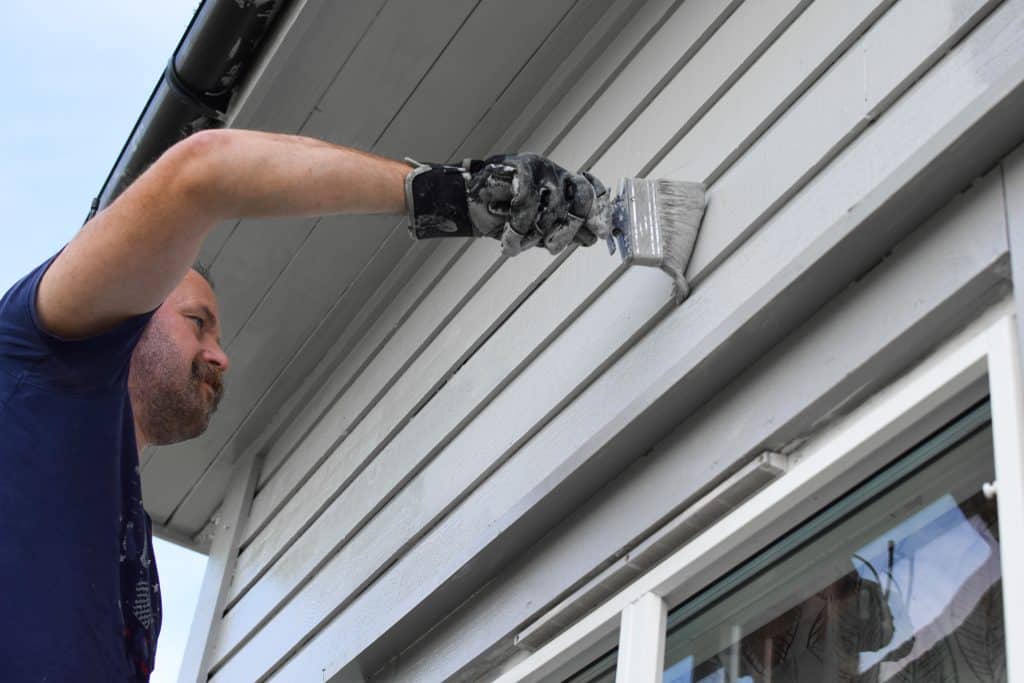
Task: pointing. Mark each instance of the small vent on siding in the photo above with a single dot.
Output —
(658, 545)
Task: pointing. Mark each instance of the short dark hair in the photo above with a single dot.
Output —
(204, 272)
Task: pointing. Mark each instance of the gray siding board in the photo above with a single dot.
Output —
(580, 69)
(360, 411)
(953, 157)
(252, 610)
(422, 540)
(349, 319)
(306, 278)
(913, 191)
(313, 423)
(263, 261)
(526, 279)
(956, 264)
(625, 30)
(573, 32)
(293, 51)
(342, 511)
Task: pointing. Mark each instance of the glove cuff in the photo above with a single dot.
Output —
(436, 197)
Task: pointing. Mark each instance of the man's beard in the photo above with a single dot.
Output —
(169, 406)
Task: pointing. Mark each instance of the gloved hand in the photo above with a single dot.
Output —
(523, 200)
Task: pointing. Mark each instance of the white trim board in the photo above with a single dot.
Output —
(195, 663)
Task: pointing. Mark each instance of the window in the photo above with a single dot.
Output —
(901, 579)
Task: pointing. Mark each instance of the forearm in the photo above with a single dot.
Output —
(248, 174)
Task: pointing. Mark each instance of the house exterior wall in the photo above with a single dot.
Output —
(507, 429)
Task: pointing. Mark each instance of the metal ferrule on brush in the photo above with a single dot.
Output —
(655, 222)
(635, 222)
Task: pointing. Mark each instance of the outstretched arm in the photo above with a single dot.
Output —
(130, 256)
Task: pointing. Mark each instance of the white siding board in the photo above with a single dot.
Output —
(1013, 181)
(340, 329)
(296, 514)
(399, 48)
(1013, 191)
(457, 338)
(732, 46)
(391, 474)
(575, 99)
(471, 269)
(240, 620)
(957, 254)
(519, 32)
(783, 73)
(320, 22)
(582, 70)
(678, 40)
(411, 295)
(724, 296)
(265, 251)
(573, 34)
(972, 217)
(309, 424)
(491, 21)
(800, 143)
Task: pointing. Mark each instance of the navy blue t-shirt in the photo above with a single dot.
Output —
(79, 596)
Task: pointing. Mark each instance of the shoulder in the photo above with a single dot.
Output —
(84, 364)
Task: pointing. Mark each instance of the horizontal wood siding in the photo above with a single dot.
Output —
(485, 374)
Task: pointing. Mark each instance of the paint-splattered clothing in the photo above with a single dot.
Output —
(80, 597)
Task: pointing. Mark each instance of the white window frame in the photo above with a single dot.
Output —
(988, 348)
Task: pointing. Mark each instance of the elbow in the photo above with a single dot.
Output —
(193, 169)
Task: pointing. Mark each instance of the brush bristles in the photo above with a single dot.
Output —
(680, 208)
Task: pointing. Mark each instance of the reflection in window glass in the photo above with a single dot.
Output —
(904, 586)
(601, 670)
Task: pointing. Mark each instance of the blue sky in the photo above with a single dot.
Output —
(75, 77)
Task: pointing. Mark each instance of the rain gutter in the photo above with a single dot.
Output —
(207, 68)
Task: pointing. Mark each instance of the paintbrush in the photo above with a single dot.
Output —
(655, 223)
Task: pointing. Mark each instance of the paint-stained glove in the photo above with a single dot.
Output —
(522, 200)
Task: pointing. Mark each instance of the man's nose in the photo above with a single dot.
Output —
(215, 356)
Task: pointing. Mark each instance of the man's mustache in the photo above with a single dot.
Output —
(204, 372)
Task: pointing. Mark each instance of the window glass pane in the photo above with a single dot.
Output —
(601, 670)
(902, 586)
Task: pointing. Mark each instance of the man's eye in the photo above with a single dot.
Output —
(200, 323)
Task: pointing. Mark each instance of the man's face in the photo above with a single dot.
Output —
(175, 380)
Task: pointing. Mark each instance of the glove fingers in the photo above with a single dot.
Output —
(526, 203)
(562, 235)
(513, 243)
(489, 195)
(579, 195)
(585, 237)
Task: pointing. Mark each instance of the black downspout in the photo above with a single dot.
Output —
(194, 93)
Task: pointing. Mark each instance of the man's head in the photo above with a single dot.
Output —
(175, 380)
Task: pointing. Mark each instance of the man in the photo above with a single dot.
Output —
(113, 344)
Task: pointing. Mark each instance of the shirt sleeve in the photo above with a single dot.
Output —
(26, 349)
